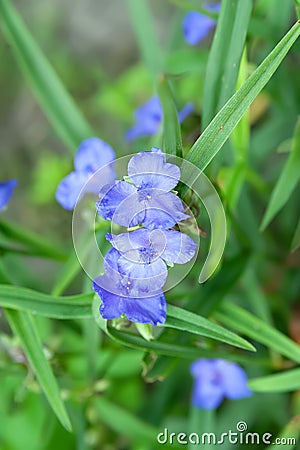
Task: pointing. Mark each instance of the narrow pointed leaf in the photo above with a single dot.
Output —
(280, 382)
(224, 57)
(220, 128)
(296, 238)
(55, 101)
(24, 328)
(255, 328)
(287, 181)
(172, 143)
(187, 321)
(22, 299)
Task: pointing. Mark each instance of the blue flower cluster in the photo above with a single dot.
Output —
(148, 118)
(216, 379)
(136, 266)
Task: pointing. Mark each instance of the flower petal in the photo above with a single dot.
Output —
(185, 112)
(6, 191)
(112, 201)
(179, 249)
(196, 27)
(126, 242)
(163, 211)
(151, 310)
(146, 277)
(70, 189)
(92, 154)
(149, 170)
(206, 395)
(148, 118)
(234, 380)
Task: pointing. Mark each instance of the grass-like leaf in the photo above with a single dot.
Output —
(296, 238)
(146, 35)
(187, 321)
(22, 299)
(172, 143)
(280, 382)
(255, 328)
(24, 328)
(287, 181)
(56, 102)
(220, 128)
(34, 244)
(224, 57)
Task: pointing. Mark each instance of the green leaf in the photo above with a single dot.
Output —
(280, 382)
(24, 328)
(55, 101)
(22, 299)
(296, 238)
(287, 181)
(220, 128)
(146, 34)
(255, 328)
(187, 321)
(172, 143)
(224, 57)
(35, 244)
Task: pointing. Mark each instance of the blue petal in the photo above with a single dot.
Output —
(113, 198)
(92, 154)
(151, 310)
(70, 189)
(101, 178)
(206, 395)
(234, 380)
(148, 119)
(164, 210)
(126, 242)
(149, 170)
(179, 249)
(146, 277)
(196, 27)
(6, 191)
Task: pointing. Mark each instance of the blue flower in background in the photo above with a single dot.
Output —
(148, 201)
(148, 118)
(6, 191)
(196, 25)
(92, 155)
(216, 379)
(121, 294)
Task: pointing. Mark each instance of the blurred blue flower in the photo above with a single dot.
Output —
(147, 201)
(121, 294)
(216, 379)
(196, 25)
(92, 155)
(148, 118)
(6, 191)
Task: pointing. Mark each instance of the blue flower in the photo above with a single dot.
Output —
(92, 155)
(6, 191)
(148, 118)
(144, 253)
(216, 379)
(148, 201)
(196, 25)
(121, 294)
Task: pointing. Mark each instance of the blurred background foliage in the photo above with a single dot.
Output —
(115, 396)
